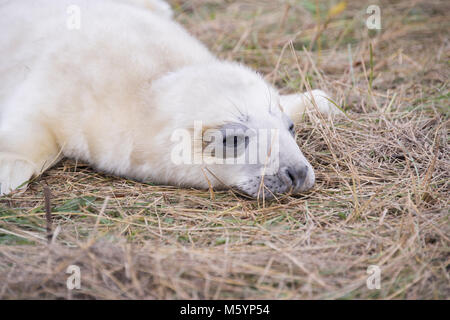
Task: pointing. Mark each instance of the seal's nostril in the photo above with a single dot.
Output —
(291, 175)
(297, 175)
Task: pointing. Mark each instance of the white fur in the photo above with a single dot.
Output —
(113, 92)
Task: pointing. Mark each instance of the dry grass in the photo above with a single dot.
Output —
(382, 193)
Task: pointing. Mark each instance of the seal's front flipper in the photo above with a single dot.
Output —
(295, 105)
(15, 172)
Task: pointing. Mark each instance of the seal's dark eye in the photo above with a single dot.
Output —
(234, 145)
(235, 141)
(291, 128)
(224, 141)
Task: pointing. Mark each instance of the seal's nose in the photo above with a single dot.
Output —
(297, 175)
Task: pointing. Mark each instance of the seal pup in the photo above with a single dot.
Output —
(118, 84)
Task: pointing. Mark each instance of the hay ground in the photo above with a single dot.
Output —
(382, 192)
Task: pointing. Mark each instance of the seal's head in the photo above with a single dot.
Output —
(241, 136)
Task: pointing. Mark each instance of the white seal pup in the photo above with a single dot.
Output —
(113, 82)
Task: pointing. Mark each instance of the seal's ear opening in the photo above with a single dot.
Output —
(227, 141)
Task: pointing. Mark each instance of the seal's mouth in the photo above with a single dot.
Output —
(284, 182)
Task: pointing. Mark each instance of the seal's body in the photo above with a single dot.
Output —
(109, 82)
